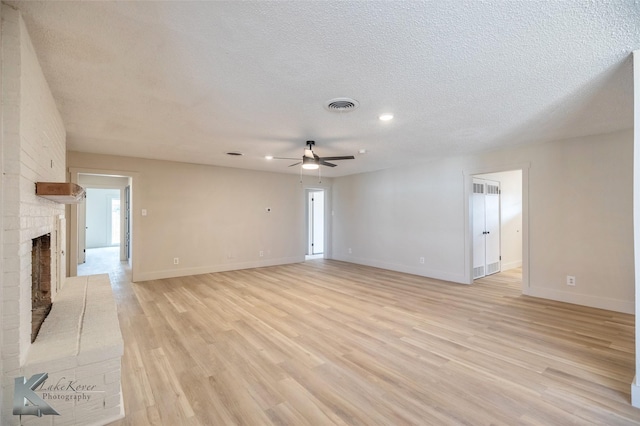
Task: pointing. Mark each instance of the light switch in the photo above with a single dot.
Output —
(144, 212)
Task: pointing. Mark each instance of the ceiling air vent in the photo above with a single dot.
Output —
(341, 105)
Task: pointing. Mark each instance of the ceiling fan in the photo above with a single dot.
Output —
(311, 161)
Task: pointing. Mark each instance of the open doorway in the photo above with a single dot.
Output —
(497, 223)
(315, 223)
(103, 224)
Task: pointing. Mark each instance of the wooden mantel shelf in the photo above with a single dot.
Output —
(61, 192)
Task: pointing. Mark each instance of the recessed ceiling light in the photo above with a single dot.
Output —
(235, 154)
(268, 157)
(385, 117)
(362, 151)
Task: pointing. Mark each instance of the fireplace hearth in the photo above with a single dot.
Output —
(40, 282)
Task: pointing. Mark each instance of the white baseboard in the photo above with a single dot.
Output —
(624, 306)
(511, 265)
(414, 270)
(173, 273)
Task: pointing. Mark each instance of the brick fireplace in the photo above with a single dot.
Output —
(33, 150)
(40, 282)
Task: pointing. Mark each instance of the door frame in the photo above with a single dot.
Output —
(328, 216)
(82, 231)
(72, 224)
(311, 220)
(468, 215)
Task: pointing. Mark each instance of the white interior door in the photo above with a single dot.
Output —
(486, 227)
(316, 222)
(478, 229)
(82, 231)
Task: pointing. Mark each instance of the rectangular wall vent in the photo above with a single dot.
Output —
(492, 268)
(478, 272)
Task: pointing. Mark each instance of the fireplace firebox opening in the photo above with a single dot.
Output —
(40, 282)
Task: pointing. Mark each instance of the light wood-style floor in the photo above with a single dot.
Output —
(100, 261)
(325, 342)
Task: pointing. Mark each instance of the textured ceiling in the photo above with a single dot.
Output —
(190, 81)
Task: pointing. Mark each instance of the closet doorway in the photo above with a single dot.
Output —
(486, 227)
(496, 222)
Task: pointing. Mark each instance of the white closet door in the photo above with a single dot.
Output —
(478, 229)
(486, 227)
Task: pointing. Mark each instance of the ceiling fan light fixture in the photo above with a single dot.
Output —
(310, 166)
(310, 163)
(268, 157)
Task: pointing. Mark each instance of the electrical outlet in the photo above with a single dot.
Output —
(176, 260)
(261, 253)
(422, 260)
(350, 251)
(571, 280)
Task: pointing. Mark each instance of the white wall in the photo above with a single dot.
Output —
(1, 216)
(33, 150)
(98, 220)
(635, 387)
(391, 218)
(510, 216)
(580, 216)
(211, 218)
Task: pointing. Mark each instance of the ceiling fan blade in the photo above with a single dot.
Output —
(344, 157)
(295, 164)
(324, 163)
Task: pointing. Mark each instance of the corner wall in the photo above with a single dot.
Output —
(635, 387)
(34, 141)
(580, 213)
(2, 212)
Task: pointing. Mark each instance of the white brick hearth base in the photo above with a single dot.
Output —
(80, 347)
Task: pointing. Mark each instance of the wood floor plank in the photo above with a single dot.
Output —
(331, 343)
